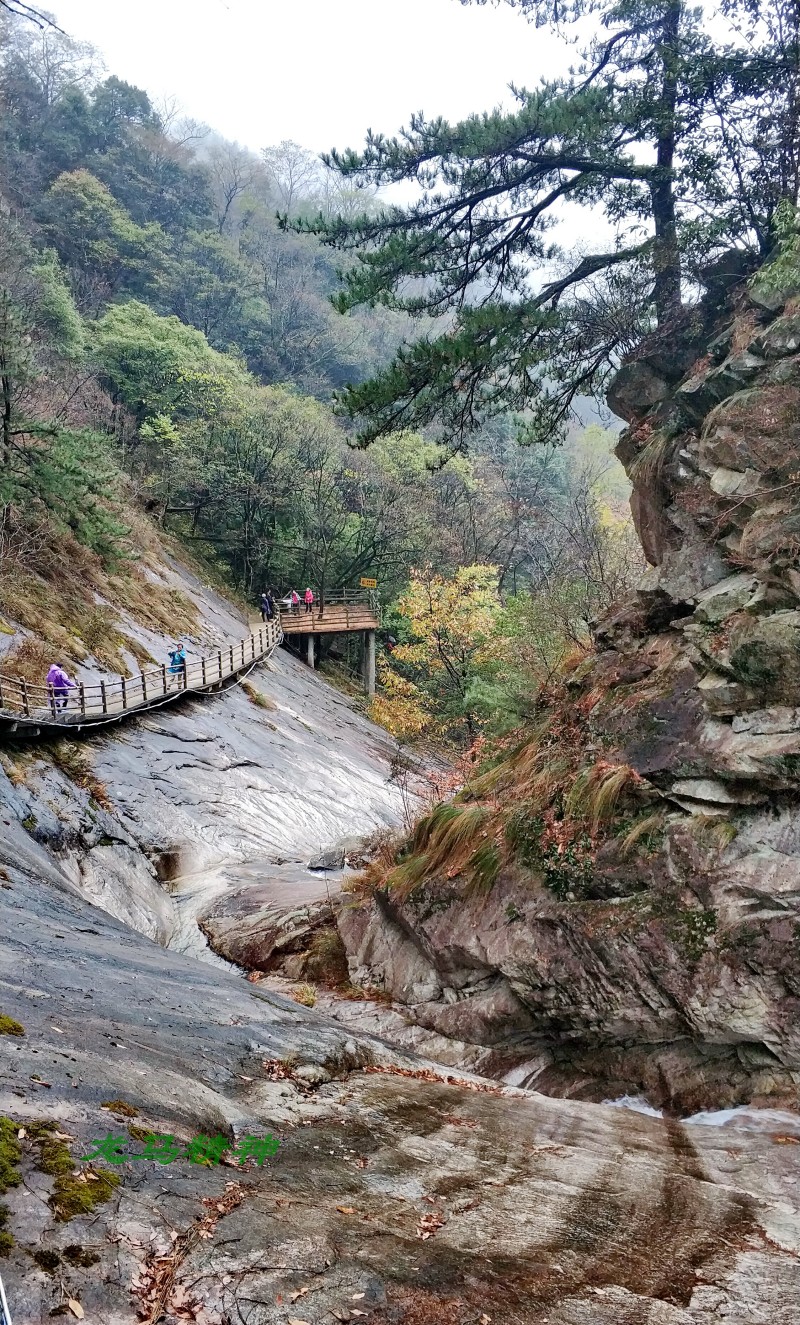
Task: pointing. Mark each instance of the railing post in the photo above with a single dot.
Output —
(1, 695)
(260, 646)
(144, 688)
(164, 677)
(82, 698)
(219, 658)
(124, 692)
(203, 668)
(242, 653)
(23, 685)
(103, 700)
(252, 646)
(186, 675)
(231, 653)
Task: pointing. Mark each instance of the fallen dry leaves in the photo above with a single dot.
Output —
(76, 1308)
(428, 1225)
(156, 1284)
(425, 1074)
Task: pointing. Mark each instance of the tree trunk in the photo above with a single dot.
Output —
(667, 261)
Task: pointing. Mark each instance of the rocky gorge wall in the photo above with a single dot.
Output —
(402, 1192)
(639, 928)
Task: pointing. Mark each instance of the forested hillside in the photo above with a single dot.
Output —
(169, 351)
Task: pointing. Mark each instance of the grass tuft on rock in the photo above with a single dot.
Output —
(9, 1026)
(326, 962)
(121, 1108)
(256, 697)
(72, 760)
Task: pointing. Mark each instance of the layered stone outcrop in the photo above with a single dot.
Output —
(673, 967)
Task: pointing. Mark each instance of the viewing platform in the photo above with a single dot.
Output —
(349, 613)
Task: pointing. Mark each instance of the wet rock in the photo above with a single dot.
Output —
(362, 1160)
(336, 856)
(765, 655)
(755, 429)
(258, 928)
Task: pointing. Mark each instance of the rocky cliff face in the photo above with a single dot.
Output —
(639, 927)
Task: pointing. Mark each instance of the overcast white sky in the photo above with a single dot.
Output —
(320, 72)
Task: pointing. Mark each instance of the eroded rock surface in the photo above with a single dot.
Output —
(403, 1197)
(218, 795)
(655, 947)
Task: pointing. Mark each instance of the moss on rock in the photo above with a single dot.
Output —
(10, 1153)
(74, 1193)
(121, 1108)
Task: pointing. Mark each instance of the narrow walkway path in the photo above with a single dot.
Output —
(31, 709)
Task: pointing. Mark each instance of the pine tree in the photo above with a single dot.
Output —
(649, 130)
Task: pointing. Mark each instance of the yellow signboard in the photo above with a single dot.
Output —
(368, 584)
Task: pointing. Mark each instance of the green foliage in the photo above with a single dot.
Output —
(780, 277)
(564, 857)
(58, 317)
(93, 234)
(162, 368)
(680, 136)
(9, 1026)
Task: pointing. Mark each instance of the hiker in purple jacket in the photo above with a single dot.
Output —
(59, 685)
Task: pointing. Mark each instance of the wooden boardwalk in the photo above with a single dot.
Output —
(335, 619)
(32, 709)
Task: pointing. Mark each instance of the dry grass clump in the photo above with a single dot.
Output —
(542, 807)
(70, 601)
(305, 994)
(256, 697)
(71, 759)
(29, 661)
(596, 792)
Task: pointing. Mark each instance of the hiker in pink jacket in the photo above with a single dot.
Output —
(308, 599)
(295, 600)
(59, 685)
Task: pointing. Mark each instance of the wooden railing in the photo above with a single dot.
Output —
(112, 696)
